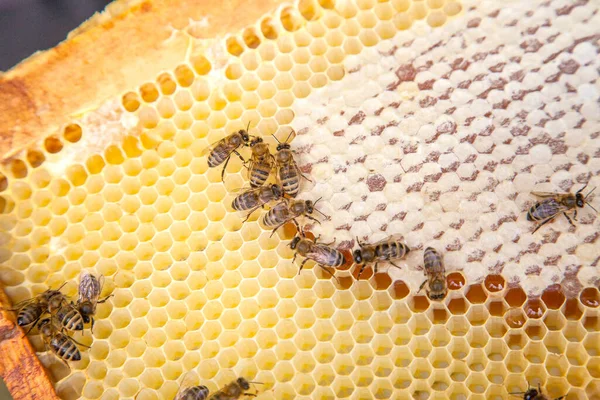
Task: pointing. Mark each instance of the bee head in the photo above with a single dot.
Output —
(244, 384)
(283, 146)
(530, 394)
(277, 191)
(256, 140)
(244, 134)
(580, 201)
(86, 308)
(310, 207)
(294, 242)
(358, 256)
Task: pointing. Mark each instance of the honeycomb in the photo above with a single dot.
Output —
(432, 119)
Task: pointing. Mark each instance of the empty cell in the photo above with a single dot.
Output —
(556, 364)
(576, 354)
(535, 330)
(458, 325)
(420, 369)
(554, 320)
(535, 352)
(477, 360)
(458, 306)
(574, 331)
(477, 383)
(477, 314)
(458, 371)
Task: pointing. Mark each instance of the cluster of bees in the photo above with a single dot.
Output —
(55, 315)
(286, 209)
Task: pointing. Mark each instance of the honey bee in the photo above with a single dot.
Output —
(261, 163)
(388, 249)
(90, 288)
(193, 393)
(320, 253)
(556, 203)
(436, 274)
(288, 211)
(233, 390)
(220, 152)
(62, 345)
(536, 394)
(31, 310)
(253, 199)
(288, 173)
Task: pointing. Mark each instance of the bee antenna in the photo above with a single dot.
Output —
(292, 131)
(256, 383)
(276, 138)
(586, 196)
(327, 217)
(317, 200)
(248, 127)
(61, 286)
(592, 207)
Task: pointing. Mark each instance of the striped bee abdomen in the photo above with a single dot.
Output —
(217, 156)
(28, 315)
(259, 174)
(65, 348)
(276, 216)
(245, 201)
(391, 250)
(290, 179)
(432, 259)
(70, 318)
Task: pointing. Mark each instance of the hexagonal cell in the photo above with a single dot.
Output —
(578, 376)
(494, 284)
(420, 369)
(536, 375)
(553, 297)
(497, 308)
(458, 325)
(536, 330)
(477, 383)
(477, 360)
(590, 297)
(515, 318)
(516, 362)
(592, 344)
(555, 343)
(496, 327)
(535, 352)
(554, 320)
(572, 309)
(496, 373)
(420, 346)
(477, 314)
(556, 365)
(418, 304)
(515, 297)
(574, 331)
(475, 294)
(576, 354)
(439, 336)
(534, 308)
(440, 358)
(459, 348)
(591, 320)
(496, 350)
(458, 306)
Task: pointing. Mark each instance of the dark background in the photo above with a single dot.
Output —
(30, 25)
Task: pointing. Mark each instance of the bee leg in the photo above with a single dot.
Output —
(225, 167)
(543, 223)
(81, 344)
(32, 326)
(568, 219)
(302, 265)
(422, 284)
(330, 273)
(575, 215)
(375, 268)
(362, 268)
(395, 265)
(92, 327)
(313, 219)
(250, 394)
(104, 299)
(250, 213)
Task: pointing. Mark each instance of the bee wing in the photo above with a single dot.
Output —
(245, 190)
(213, 146)
(392, 238)
(23, 303)
(189, 380)
(319, 254)
(547, 194)
(89, 286)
